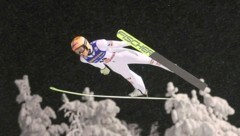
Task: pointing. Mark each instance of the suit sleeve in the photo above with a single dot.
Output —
(110, 45)
(117, 44)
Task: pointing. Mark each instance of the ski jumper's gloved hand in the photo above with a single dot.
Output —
(105, 71)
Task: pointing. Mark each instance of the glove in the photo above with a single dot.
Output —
(105, 71)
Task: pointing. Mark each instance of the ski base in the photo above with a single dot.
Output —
(107, 96)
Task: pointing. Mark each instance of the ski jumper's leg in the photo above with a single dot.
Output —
(134, 57)
(119, 66)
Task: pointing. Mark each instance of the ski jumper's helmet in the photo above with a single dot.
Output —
(78, 42)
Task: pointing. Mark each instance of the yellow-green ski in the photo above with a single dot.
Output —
(143, 48)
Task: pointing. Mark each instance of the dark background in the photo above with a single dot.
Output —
(201, 37)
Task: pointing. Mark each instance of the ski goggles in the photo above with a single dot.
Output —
(81, 49)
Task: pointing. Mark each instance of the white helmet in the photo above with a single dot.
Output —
(78, 42)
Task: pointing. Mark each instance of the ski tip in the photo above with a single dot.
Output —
(120, 30)
(52, 88)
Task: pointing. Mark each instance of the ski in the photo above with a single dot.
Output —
(123, 35)
(106, 96)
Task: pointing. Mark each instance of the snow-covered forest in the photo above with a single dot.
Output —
(88, 117)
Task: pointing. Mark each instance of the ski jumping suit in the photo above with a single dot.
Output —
(116, 57)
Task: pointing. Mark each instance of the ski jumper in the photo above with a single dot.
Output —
(116, 57)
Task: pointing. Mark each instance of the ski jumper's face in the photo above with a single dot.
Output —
(83, 50)
(85, 53)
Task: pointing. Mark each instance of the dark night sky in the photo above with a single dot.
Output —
(201, 37)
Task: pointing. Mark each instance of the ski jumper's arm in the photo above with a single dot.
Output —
(117, 44)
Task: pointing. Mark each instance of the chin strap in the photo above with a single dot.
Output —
(90, 52)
